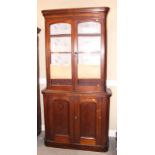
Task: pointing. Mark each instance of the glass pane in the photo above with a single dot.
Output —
(60, 59)
(61, 44)
(88, 71)
(60, 71)
(89, 44)
(88, 66)
(89, 27)
(60, 66)
(89, 59)
(61, 28)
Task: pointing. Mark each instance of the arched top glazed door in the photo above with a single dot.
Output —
(60, 48)
(89, 51)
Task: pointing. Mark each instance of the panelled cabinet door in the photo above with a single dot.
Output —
(58, 116)
(87, 121)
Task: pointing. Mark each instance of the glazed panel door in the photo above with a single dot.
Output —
(88, 54)
(59, 49)
(59, 119)
(87, 120)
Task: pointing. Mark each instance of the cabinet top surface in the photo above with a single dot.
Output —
(76, 10)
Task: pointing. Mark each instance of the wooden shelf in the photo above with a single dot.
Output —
(92, 52)
(79, 35)
(61, 52)
(89, 35)
(60, 35)
(80, 52)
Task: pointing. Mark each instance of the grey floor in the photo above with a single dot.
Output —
(43, 150)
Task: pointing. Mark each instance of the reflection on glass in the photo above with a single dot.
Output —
(60, 67)
(60, 44)
(89, 59)
(60, 59)
(89, 44)
(61, 28)
(89, 27)
(89, 63)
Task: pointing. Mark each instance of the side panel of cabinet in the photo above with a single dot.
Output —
(105, 119)
(58, 122)
(87, 124)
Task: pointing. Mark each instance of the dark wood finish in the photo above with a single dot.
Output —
(77, 120)
(38, 89)
(58, 114)
(99, 148)
(85, 11)
(82, 82)
(61, 81)
(76, 110)
(88, 117)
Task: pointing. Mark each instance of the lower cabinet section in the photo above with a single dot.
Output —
(76, 120)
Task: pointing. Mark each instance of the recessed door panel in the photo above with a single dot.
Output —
(59, 119)
(87, 120)
(61, 116)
